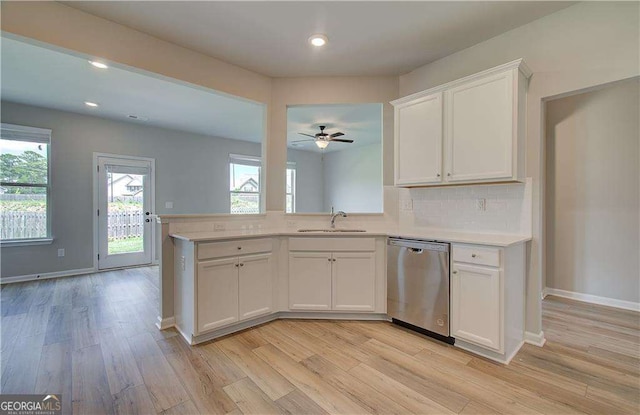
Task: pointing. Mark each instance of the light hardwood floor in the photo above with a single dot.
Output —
(92, 338)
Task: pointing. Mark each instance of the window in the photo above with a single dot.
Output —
(291, 188)
(244, 184)
(24, 183)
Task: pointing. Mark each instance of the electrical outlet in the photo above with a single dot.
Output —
(168, 205)
(183, 263)
(406, 204)
(61, 252)
(218, 227)
(481, 204)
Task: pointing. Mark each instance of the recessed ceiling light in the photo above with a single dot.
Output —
(90, 104)
(99, 65)
(318, 40)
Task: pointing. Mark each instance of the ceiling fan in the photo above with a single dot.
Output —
(323, 139)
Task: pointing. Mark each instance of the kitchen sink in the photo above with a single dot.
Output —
(331, 230)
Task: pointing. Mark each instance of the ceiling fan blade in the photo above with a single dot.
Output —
(308, 135)
(301, 141)
(336, 135)
(341, 140)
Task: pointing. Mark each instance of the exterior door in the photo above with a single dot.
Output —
(125, 220)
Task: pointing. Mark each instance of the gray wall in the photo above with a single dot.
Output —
(309, 180)
(593, 192)
(353, 179)
(192, 171)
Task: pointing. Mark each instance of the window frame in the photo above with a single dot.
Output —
(22, 133)
(291, 165)
(246, 160)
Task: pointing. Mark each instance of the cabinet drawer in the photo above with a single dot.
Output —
(237, 247)
(319, 244)
(477, 255)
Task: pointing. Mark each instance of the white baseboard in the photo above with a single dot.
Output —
(593, 299)
(47, 275)
(165, 323)
(536, 339)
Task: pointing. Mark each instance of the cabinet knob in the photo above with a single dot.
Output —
(449, 174)
(334, 260)
(437, 174)
(239, 248)
(454, 272)
(473, 255)
(242, 265)
(329, 259)
(237, 265)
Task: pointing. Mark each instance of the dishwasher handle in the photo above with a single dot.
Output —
(418, 245)
(416, 250)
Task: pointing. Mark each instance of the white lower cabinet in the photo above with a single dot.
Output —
(353, 281)
(332, 274)
(487, 299)
(233, 289)
(476, 305)
(217, 293)
(255, 288)
(310, 280)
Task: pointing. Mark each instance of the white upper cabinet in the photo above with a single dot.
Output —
(418, 144)
(467, 131)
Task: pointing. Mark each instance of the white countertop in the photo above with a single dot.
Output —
(501, 240)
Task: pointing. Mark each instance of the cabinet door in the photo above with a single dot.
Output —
(479, 129)
(217, 294)
(309, 281)
(418, 141)
(476, 305)
(256, 294)
(353, 281)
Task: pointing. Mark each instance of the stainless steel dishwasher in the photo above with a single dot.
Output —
(418, 286)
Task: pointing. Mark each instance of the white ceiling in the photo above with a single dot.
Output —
(361, 123)
(38, 76)
(365, 38)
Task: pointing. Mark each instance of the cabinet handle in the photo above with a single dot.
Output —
(473, 255)
(329, 259)
(242, 265)
(334, 260)
(239, 248)
(449, 174)
(237, 265)
(437, 174)
(454, 272)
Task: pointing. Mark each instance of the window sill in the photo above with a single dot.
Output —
(26, 242)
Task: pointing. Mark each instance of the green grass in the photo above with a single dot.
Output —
(123, 246)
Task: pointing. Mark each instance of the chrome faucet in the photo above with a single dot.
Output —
(334, 216)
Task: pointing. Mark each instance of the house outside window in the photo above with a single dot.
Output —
(25, 190)
(244, 184)
(291, 188)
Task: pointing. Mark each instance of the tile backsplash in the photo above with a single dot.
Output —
(507, 208)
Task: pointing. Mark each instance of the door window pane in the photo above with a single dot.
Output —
(125, 221)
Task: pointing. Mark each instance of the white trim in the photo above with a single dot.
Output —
(165, 323)
(152, 201)
(46, 275)
(592, 299)
(491, 355)
(536, 339)
(7, 243)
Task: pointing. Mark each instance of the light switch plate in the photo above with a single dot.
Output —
(168, 205)
(481, 204)
(61, 252)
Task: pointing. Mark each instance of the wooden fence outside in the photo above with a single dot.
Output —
(21, 225)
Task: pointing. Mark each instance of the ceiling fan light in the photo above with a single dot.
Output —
(322, 144)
